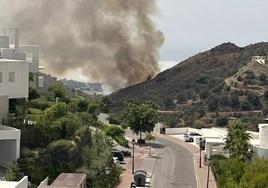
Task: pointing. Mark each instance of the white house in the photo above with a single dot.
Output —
(23, 183)
(16, 64)
(215, 139)
(261, 147)
(263, 60)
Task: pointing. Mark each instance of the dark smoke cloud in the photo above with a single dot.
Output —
(113, 41)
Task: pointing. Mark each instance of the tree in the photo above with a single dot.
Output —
(82, 105)
(114, 131)
(245, 106)
(254, 100)
(169, 103)
(141, 117)
(58, 91)
(222, 121)
(234, 101)
(263, 78)
(33, 94)
(149, 137)
(237, 141)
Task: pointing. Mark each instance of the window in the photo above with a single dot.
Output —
(11, 77)
(1, 77)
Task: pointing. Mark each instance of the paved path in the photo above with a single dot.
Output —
(174, 166)
(201, 173)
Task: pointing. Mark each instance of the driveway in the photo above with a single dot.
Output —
(174, 166)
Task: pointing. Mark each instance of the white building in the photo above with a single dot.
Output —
(23, 183)
(9, 145)
(17, 62)
(263, 60)
(215, 139)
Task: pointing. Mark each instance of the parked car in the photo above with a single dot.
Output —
(189, 136)
(126, 153)
(116, 161)
(118, 154)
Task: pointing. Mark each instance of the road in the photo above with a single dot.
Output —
(174, 166)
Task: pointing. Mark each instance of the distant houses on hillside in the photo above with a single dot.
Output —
(263, 60)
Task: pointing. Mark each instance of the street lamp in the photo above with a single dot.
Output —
(200, 156)
(133, 144)
(208, 174)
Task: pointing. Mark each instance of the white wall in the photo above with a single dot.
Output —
(4, 103)
(174, 131)
(4, 42)
(18, 88)
(182, 130)
(9, 145)
(23, 183)
(32, 50)
(43, 183)
(261, 152)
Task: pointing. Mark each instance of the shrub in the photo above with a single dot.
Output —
(114, 131)
(222, 121)
(245, 106)
(40, 103)
(262, 77)
(56, 111)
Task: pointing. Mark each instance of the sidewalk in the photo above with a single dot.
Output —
(142, 162)
(201, 173)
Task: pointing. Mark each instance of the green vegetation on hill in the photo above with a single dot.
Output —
(203, 85)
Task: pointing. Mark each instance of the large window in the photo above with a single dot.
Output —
(1, 77)
(11, 77)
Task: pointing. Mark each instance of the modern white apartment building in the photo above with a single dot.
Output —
(17, 63)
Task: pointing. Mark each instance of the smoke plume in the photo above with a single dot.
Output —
(112, 41)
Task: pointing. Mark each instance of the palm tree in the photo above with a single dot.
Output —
(237, 142)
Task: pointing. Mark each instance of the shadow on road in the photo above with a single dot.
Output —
(154, 145)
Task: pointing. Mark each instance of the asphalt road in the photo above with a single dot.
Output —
(174, 166)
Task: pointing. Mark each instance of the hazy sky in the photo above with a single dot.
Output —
(192, 26)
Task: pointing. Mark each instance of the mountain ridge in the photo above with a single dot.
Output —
(202, 72)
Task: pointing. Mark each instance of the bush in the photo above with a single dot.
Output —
(234, 101)
(114, 131)
(33, 94)
(117, 133)
(40, 103)
(263, 78)
(56, 111)
(245, 106)
(222, 121)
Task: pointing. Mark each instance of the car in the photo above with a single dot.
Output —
(118, 154)
(116, 161)
(189, 136)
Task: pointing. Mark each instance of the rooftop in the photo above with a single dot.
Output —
(68, 180)
(4, 60)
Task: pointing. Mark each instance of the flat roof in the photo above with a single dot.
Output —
(4, 60)
(68, 180)
(8, 184)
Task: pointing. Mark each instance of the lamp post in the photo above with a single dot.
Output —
(208, 174)
(200, 156)
(133, 144)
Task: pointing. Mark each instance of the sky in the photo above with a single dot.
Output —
(193, 26)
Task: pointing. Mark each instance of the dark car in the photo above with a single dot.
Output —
(118, 154)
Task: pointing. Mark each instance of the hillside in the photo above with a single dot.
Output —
(199, 75)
